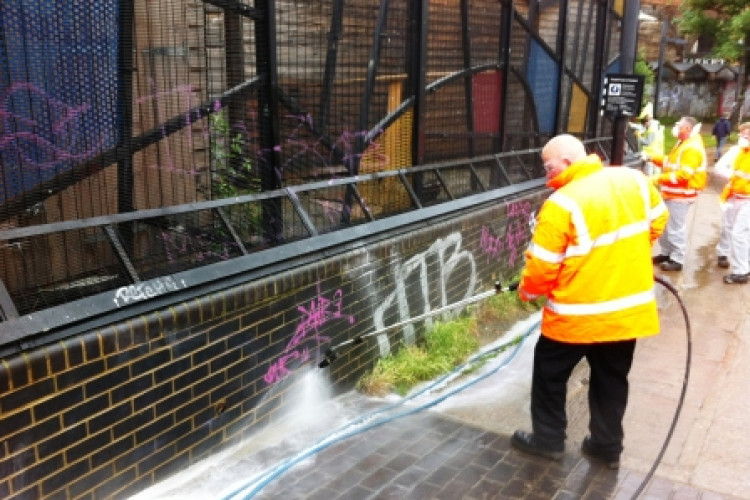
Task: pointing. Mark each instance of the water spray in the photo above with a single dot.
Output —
(332, 353)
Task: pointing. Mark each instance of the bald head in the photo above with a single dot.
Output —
(564, 146)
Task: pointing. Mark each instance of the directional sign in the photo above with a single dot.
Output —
(622, 94)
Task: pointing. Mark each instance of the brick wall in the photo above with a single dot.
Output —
(112, 411)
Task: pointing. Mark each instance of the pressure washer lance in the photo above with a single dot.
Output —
(331, 354)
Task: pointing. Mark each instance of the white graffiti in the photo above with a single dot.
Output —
(146, 290)
(447, 255)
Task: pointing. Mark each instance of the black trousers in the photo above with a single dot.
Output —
(610, 364)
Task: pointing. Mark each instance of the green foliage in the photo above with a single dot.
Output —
(642, 68)
(446, 346)
(232, 171)
(726, 21)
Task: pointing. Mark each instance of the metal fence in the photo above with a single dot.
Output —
(138, 138)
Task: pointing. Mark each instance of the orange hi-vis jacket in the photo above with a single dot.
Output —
(590, 254)
(739, 182)
(683, 170)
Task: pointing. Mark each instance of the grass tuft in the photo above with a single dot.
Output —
(446, 346)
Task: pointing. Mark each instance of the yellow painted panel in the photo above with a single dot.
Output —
(579, 102)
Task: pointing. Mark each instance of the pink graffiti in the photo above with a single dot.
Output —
(61, 142)
(181, 244)
(490, 245)
(518, 208)
(515, 237)
(320, 312)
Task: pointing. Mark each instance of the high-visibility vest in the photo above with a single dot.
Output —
(652, 139)
(590, 255)
(683, 170)
(738, 186)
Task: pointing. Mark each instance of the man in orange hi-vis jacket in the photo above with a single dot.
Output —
(590, 256)
(682, 178)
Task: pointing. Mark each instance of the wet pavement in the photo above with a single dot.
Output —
(460, 448)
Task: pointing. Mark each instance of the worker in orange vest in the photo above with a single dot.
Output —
(683, 176)
(737, 194)
(590, 256)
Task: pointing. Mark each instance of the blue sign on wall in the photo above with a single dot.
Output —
(58, 87)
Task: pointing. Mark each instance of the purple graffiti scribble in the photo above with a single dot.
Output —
(490, 245)
(515, 238)
(58, 145)
(320, 312)
(518, 209)
(180, 244)
(516, 234)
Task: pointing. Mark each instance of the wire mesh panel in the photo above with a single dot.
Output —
(110, 108)
(48, 270)
(58, 93)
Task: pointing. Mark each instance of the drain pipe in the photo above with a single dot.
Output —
(332, 353)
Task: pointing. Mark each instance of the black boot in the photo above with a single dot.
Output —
(610, 460)
(528, 442)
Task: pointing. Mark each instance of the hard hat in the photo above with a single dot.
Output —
(648, 110)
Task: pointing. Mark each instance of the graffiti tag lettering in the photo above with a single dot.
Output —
(448, 255)
(321, 311)
(146, 290)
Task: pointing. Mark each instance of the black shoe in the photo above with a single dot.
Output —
(659, 259)
(526, 441)
(591, 451)
(670, 265)
(736, 278)
(723, 262)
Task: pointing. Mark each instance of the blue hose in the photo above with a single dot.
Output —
(250, 489)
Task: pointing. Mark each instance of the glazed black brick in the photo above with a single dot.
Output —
(87, 482)
(107, 381)
(62, 478)
(128, 390)
(36, 472)
(107, 453)
(87, 446)
(152, 396)
(33, 434)
(173, 401)
(154, 428)
(107, 488)
(155, 460)
(65, 439)
(224, 360)
(15, 422)
(209, 383)
(84, 410)
(129, 425)
(171, 370)
(192, 408)
(134, 456)
(108, 418)
(17, 462)
(223, 330)
(188, 346)
(207, 445)
(171, 466)
(79, 374)
(151, 361)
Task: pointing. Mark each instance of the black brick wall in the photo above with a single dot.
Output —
(110, 412)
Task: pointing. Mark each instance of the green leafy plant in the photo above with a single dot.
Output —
(232, 172)
(446, 346)
(642, 68)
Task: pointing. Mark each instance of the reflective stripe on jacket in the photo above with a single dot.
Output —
(590, 255)
(739, 181)
(683, 170)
